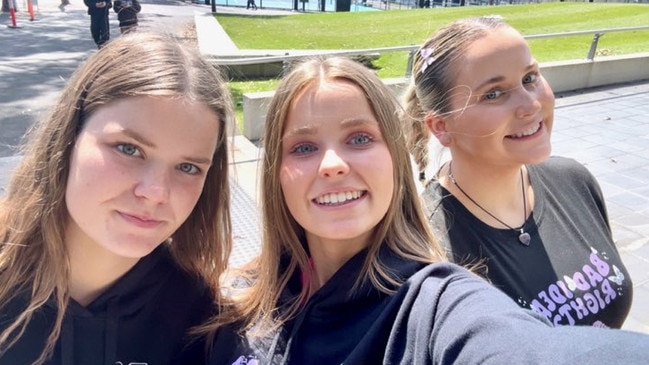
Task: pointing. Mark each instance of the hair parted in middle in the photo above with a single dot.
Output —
(33, 213)
(435, 69)
(404, 229)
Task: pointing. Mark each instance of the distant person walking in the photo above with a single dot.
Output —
(99, 27)
(251, 4)
(127, 14)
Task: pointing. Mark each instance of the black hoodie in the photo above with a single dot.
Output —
(442, 315)
(142, 319)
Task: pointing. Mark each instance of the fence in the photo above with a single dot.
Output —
(277, 63)
(379, 5)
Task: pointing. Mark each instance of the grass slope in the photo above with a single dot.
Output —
(360, 30)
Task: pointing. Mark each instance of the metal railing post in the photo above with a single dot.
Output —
(593, 46)
(411, 57)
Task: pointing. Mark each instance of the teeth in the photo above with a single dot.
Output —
(339, 198)
(527, 132)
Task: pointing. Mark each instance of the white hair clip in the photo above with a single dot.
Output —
(427, 58)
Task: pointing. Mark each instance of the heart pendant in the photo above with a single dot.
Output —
(525, 238)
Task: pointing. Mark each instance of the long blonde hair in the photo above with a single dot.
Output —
(33, 257)
(404, 228)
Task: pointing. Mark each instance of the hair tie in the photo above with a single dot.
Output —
(427, 58)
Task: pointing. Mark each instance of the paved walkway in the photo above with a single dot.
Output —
(607, 129)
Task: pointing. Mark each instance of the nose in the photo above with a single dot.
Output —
(528, 102)
(333, 164)
(153, 185)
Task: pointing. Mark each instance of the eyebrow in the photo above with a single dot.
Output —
(346, 124)
(497, 79)
(143, 140)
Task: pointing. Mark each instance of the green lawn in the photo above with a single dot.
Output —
(360, 30)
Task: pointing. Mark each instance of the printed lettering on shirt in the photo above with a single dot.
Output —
(246, 360)
(582, 293)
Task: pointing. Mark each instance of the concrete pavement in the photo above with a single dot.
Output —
(607, 129)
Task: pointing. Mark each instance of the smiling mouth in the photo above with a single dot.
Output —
(528, 132)
(340, 198)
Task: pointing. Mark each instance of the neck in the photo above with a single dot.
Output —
(93, 269)
(330, 255)
(496, 189)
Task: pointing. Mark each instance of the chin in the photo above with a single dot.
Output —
(136, 250)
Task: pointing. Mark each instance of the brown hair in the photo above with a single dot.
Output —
(433, 78)
(33, 257)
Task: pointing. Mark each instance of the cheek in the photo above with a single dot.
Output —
(186, 196)
(475, 124)
(389, 178)
(383, 167)
(88, 171)
(291, 174)
(288, 183)
(548, 96)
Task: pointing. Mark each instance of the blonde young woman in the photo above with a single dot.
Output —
(538, 225)
(349, 272)
(115, 227)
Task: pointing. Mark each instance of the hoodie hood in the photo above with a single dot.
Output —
(336, 315)
(102, 316)
(142, 318)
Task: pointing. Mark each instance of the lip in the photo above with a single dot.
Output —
(363, 194)
(140, 220)
(540, 127)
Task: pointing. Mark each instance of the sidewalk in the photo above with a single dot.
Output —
(38, 57)
(607, 129)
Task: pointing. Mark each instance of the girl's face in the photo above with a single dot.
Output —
(503, 107)
(136, 172)
(336, 170)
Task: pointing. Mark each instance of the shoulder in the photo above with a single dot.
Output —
(566, 175)
(444, 303)
(562, 168)
(446, 283)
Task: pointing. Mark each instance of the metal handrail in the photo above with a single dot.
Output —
(298, 54)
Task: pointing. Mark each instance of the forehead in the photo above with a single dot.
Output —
(326, 90)
(162, 121)
(498, 52)
(327, 101)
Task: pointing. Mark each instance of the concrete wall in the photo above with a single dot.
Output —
(582, 74)
(562, 75)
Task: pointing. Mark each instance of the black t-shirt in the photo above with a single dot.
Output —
(571, 272)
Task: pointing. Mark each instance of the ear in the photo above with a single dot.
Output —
(437, 126)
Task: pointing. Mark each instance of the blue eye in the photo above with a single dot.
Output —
(360, 138)
(530, 78)
(492, 95)
(189, 168)
(303, 148)
(128, 149)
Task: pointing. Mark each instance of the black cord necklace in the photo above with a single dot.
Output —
(523, 236)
